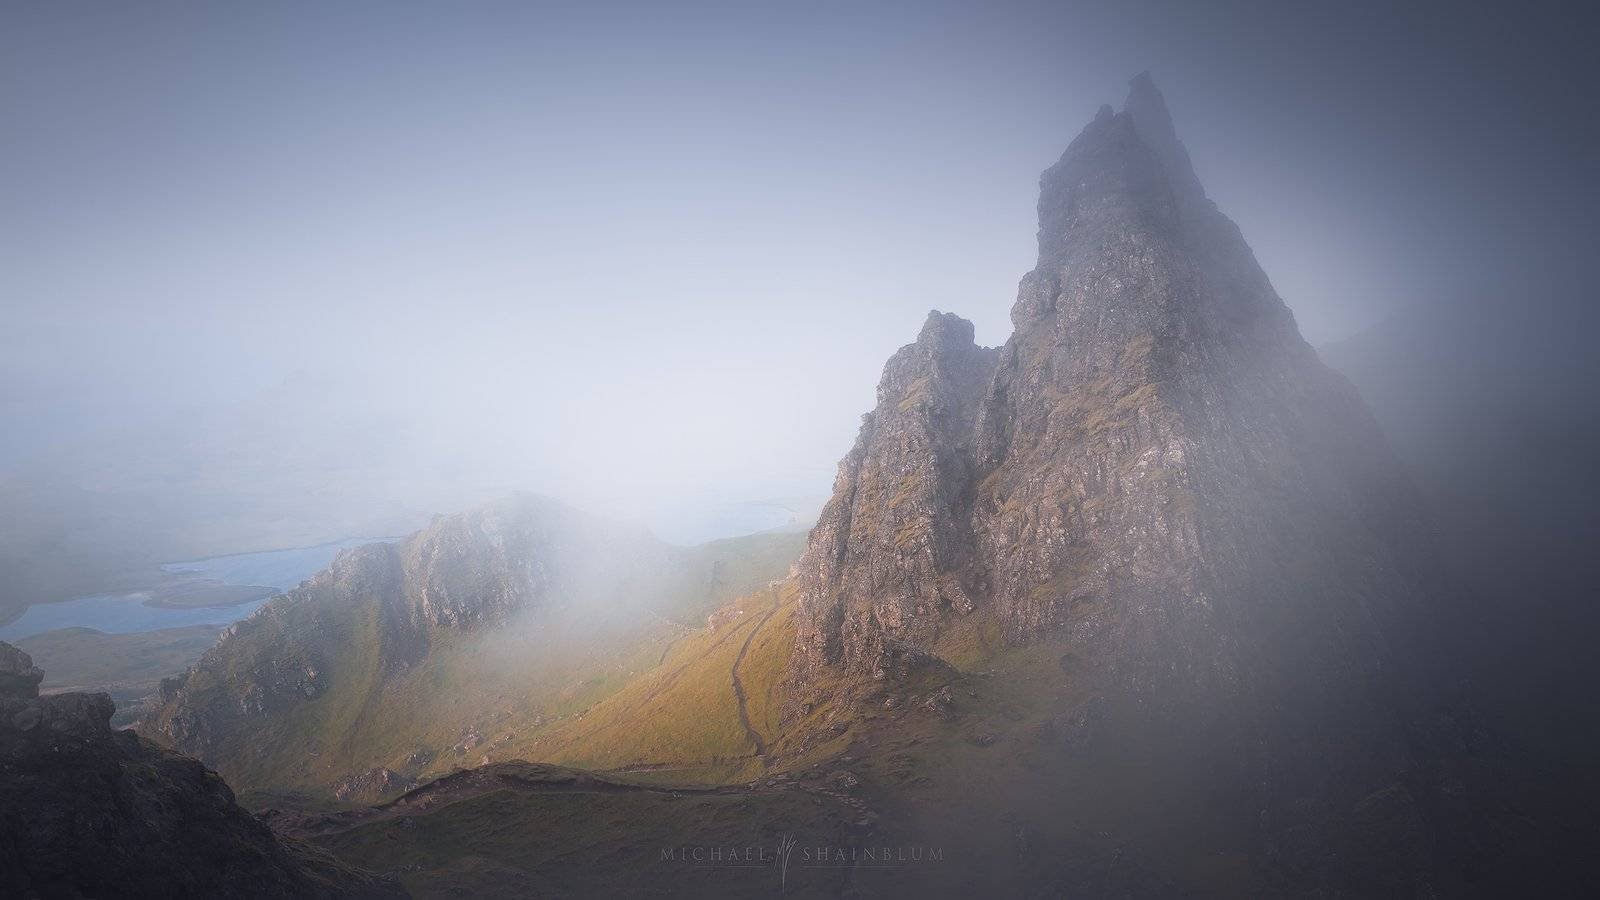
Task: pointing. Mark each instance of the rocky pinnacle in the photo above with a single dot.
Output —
(1155, 467)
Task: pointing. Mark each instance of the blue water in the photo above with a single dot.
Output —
(281, 569)
(118, 614)
(127, 613)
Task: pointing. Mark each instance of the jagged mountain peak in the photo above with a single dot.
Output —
(1148, 109)
(1161, 486)
(942, 328)
(1131, 155)
(1152, 454)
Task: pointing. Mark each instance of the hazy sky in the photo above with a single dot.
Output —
(664, 247)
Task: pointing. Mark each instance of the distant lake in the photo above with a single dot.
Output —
(279, 570)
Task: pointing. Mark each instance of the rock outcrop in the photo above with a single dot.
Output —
(480, 568)
(19, 677)
(88, 811)
(885, 563)
(1169, 470)
(1155, 468)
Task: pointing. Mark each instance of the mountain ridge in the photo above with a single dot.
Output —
(447, 646)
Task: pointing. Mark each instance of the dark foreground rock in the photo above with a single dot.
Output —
(88, 811)
(19, 677)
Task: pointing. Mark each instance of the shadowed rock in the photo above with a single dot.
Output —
(88, 811)
(19, 677)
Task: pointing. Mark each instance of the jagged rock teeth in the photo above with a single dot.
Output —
(879, 570)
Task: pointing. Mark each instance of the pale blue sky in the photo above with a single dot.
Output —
(555, 234)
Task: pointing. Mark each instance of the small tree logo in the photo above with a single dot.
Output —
(785, 847)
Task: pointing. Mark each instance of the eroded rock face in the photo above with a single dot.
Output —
(481, 567)
(1157, 473)
(1155, 466)
(885, 563)
(1169, 470)
(88, 811)
(282, 655)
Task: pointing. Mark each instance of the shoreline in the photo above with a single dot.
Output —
(216, 594)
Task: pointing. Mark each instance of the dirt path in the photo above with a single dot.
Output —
(738, 685)
(671, 679)
(665, 683)
(652, 768)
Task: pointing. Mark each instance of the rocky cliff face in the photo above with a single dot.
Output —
(885, 563)
(1154, 466)
(482, 567)
(88, 811)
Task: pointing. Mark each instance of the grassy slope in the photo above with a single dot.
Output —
(765, 663)
(682, 715)
(990, 783)
(993, 781)
(304, 744)
(679, 722)
(470, 701)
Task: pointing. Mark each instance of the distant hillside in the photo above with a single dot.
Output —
(407, 659)
(129, 667)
